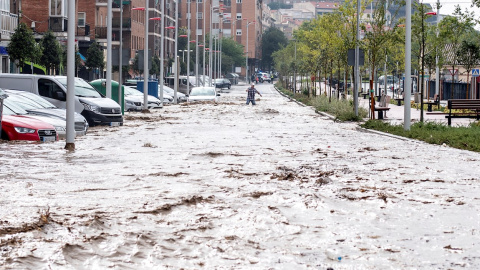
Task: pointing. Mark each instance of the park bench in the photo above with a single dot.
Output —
(430, 103)
(463, 104)
(383, 106)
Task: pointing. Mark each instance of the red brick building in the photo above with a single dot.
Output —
(231, 16)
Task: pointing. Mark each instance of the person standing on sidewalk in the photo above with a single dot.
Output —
(251, 94)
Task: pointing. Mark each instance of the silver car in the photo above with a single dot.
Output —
(36, 105)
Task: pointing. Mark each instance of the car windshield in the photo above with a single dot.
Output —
(38, 100)
(131, 91)
(168, 89)
(23, 102)
(202, 92)
(13, 107)
(7, 111)
(82, 88)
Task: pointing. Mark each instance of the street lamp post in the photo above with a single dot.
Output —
(145, 58)
(408, 65)
(204, 39)
(210, 43)
(188, 46)
(295, 69)
(108, 90)
(162, 44)
(196, 47)
(246, 53)
(176, 53)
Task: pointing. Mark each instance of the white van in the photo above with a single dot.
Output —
(182, 83)
(96, 108)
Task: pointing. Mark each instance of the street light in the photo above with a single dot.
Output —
(246, 56)
(295, 68)
(183, 54)
(145, 58)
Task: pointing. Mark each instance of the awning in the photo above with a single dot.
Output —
(3, 50)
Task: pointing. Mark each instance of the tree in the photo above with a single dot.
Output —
(51, 52)
(468, 55)
(272, 40)
(155, 70)
(22, 46)
(452, 31)
(232, 54)
(95, 58)
(65, 59)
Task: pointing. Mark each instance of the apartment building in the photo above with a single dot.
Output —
(8, 23)
(227, 18)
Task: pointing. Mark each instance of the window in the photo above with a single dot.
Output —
(199, 32)
(56, 7)
(49, 89)
(239, 15)
(199, 15)
(81, 19)
(239, 1)
(227, 32)
(227, 3)
(239, 32)
(188, 16)
(200, 1)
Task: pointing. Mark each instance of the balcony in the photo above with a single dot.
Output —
(127, 23)
(58, 24)
(101, 33)
(9, 23)
(83, 31)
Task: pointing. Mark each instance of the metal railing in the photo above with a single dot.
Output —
(9, 23)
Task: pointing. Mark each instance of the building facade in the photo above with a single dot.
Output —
(228, 19)
(8, 24)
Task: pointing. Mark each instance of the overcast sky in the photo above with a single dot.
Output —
(448, 7)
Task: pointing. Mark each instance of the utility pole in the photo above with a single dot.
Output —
(188, 47)
(145, 61)
(109, 49)
(408, 66)
(357, 60)
(70, 140)
(437, 69)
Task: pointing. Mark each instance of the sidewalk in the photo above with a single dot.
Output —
(396, 113)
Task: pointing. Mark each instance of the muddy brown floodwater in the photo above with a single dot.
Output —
(229, 186)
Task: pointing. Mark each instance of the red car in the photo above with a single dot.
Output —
(16, 127)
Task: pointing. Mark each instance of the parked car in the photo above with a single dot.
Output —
(203, 94)
(12, 108)
(133, 96)
(15, 127)
(153, 102)
(264, 77)
(96, 108)
(37, 105)
(170, 92)
(222, 83)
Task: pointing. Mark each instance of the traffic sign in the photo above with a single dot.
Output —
(475, 72)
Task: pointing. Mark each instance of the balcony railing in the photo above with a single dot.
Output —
(83, 31)
(101, 33)
(9, 23)
(127, 23)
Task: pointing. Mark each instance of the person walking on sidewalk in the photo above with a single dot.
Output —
(251, 94)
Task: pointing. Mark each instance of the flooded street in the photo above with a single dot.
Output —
(230, 186)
